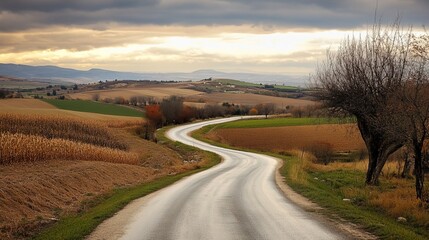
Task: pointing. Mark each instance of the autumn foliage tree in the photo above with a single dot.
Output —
(154, 120)
(154, 115)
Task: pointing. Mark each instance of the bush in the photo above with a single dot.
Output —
(322, 151)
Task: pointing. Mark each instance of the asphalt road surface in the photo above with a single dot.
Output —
(237, 199)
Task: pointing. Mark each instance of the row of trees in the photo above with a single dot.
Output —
(172, 110)
(382, 78)
(4, 93)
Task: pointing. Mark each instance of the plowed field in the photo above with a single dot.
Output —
(342, 137)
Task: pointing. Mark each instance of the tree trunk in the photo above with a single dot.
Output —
(406, 172)
(378, 150)
(372, 164)
(373, 145)
(418, 169)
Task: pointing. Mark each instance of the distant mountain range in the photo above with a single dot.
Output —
(46, 73)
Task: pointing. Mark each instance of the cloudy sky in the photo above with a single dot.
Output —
(262, 36)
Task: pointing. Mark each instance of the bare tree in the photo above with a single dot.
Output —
(414, 106)
(266, 108)
(172, 108)
(360, 78)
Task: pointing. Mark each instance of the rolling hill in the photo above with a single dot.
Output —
(94, 75)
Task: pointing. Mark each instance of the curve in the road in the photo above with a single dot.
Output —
(237, 199)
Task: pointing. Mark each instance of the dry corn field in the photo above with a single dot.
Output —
(43, 177)
(17, 148)
(59, 127)
(34, 138)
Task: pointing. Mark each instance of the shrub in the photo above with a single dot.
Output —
(322, 151)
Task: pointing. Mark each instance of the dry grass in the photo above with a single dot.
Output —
(19, 148)
(298, 171)
(59, 127)
(342, 137)
(33, 195)
(24, 103)
(127, 93)
(395, 196)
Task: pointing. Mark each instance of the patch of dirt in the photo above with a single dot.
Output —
(342, 137)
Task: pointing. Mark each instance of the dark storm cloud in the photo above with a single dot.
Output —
(18, 15)
(58, 5)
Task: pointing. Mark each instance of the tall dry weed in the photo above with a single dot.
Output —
(298, 171)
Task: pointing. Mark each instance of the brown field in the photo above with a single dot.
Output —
(6, 104)
(33, 195)
(43, 177)
(248, 99)
(192, 97)
(341, 137)
(127, 93)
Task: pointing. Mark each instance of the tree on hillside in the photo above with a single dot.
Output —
(153, 121)
(360, 78)
(172, 108)
(266, 108)
(4, 93)
(154, 115)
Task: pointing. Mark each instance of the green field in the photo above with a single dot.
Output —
(236, 82)
(291, 88)
(248, 84)
(94, 107)
(280, 122)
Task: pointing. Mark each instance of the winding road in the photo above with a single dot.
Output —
(237, 199)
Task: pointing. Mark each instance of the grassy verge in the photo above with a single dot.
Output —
(80, 225)
(280, 122)
(94, 107)
(327, 188)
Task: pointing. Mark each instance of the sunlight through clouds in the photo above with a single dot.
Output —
(226, 46)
